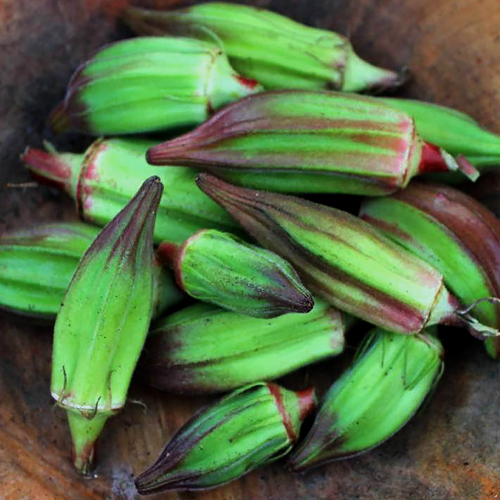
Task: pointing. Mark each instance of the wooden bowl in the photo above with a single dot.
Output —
(450, 450)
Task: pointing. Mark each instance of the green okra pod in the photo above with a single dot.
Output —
(310, 142)
(222, 269)
(373, 399)
(106, 177)
(250, 427)
(275, 50)
(205, 349)
(103, 321)
(149, 84)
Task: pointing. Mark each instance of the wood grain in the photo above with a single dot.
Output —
(449, 451)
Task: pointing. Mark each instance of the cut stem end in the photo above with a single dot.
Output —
(84, 434)
(436, 159)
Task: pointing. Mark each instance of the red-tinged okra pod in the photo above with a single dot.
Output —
(305, 141)
(454, 233)
(345, 260)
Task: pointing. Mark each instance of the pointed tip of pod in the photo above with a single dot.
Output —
(299, 301)
(213, 186)
(236, 200)
(360, 75)
(232, 198)
(154, 183)
(170, 152)
(147, 481)
(134, 216)
(295, 298)
(308, 454)
(72, 113)
(304, 459)
(59, 120)
(154, 22)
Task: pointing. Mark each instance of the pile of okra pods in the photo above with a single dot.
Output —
(221, 212)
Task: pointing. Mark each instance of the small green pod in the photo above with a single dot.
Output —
(297, 141)
(224, 270)
(373, 399)
(250, 427)
(277, 51)
(345, 260)
(103, 322)
(205, 349)
(452, 130)
(37, 264)
(149, 84)
(454, 233)
(104, 179)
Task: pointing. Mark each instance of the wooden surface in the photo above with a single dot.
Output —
(451, 450)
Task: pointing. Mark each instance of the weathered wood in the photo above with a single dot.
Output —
(449, 451)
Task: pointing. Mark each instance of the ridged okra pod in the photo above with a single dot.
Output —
(248, 428)
(345, 260)
(306, 141)
(104, 179)
(277, 51)
(456, 132)
(37, 264)
(204, 349)
(222, 269)
(103, 321)
(149, 84)
(374, 398)
(454, 233)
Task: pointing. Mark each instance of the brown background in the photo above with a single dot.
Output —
(449, 451)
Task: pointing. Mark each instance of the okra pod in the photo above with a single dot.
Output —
(310, 142)
(104, 179)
